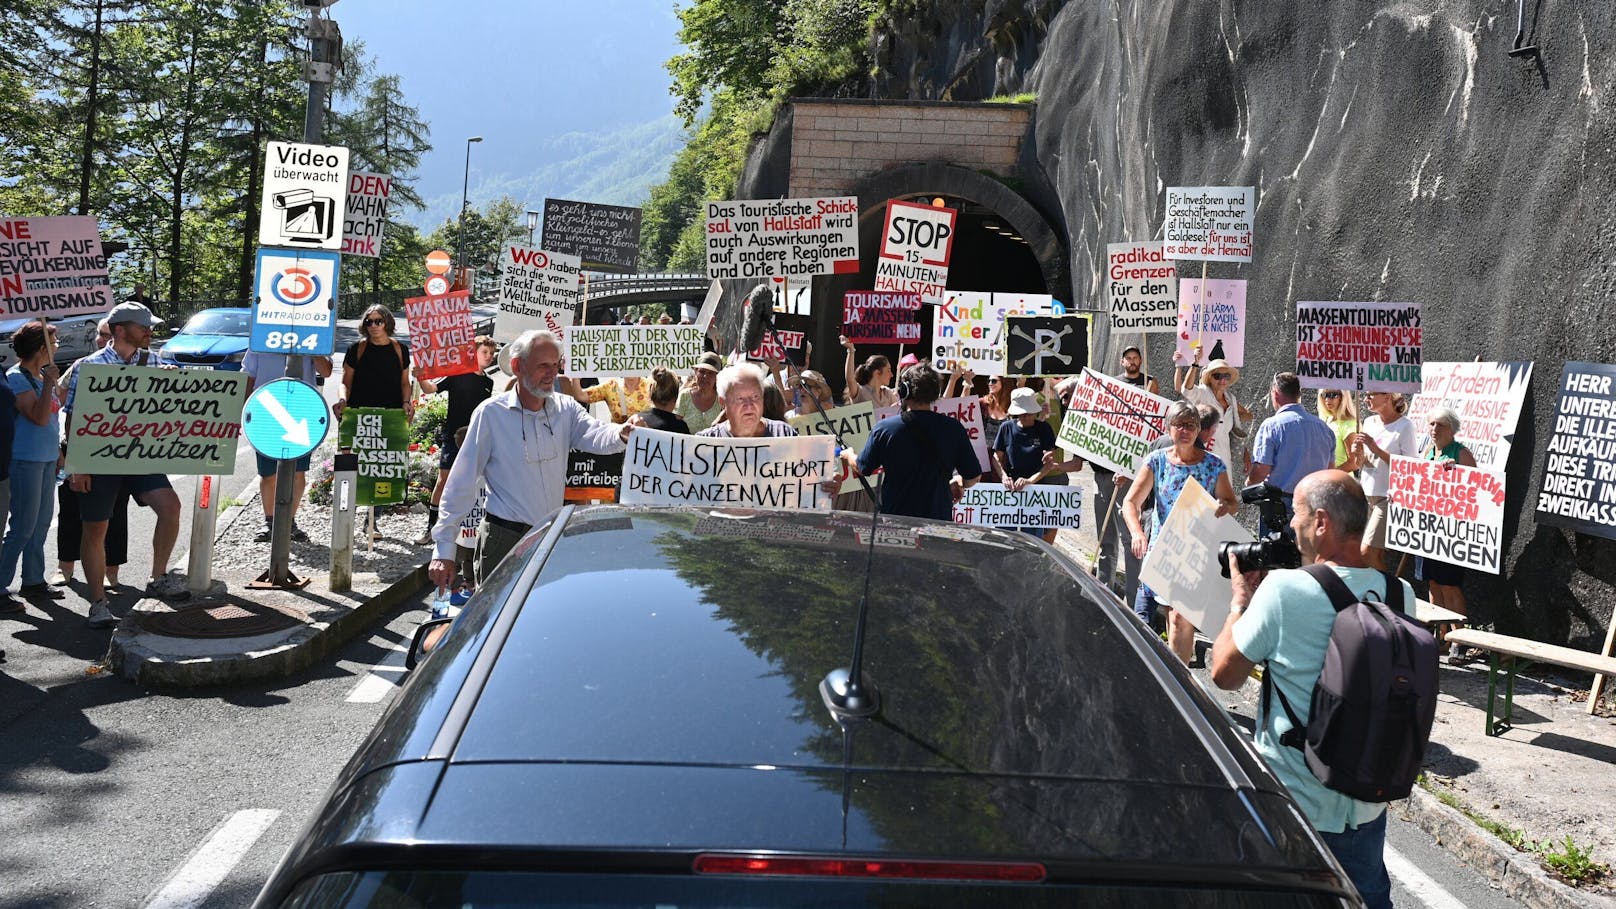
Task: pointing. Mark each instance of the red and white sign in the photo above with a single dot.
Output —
(880, 317)
(441, 337)
(782, 237)
(436, 286)
(917, 242)
(52, 267)
(366, 219)
(771, 349)
(438, 262)
(537, 289)
(1446, 511)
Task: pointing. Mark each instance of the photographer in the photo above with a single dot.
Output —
(1286, 622)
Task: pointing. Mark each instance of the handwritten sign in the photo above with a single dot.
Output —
(967, 410)
(1359, 346)
(52, 267)
(1210, 222)
(665, 468)
(604, 351)
(467, 537)
(1036, 507)
(852, 424)
(1182, 564)
(879, 317)
(604, 237)
(776, 344)
(782, 238)
(380, 437)
(1487, 397)
(917, 242)
(1446, 512)
(593, 477)
(1215, 321)
(141, 419)
(1111, 424)
(537, 289)
(1045, 345)
(365, 221)
(967, 329)
(1142, 286)
(441, 337)
(1578, 489)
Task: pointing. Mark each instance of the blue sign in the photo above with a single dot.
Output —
(285, 419)
(296, 302)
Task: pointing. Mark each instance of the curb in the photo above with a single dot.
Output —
(1520, 878)
(281, 656)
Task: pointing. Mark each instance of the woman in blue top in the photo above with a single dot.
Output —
(1024, 449)
(1167, 471)
(33, 460)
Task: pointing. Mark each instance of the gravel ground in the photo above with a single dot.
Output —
(393, 556)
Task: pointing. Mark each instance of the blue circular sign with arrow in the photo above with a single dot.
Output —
(286, 419)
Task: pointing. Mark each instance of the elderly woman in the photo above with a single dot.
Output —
(376, 368)
(1214, 389)
(33, 460)
(1386, 432)
(1446, 580)
(1166, 472)
(1340, 413)
(740, 390)
(698, 403)
(811, 393)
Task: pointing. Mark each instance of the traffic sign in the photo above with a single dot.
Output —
(296, 309)
(285, 419)
(438, 262)
(305, 196)
(437, 286)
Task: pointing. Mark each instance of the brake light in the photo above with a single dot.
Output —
(910, 869)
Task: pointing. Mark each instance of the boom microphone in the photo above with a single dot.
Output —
(759, 317)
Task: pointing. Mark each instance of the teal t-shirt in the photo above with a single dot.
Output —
(1288, 624)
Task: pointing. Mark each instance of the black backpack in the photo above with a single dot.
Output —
(1375, 698)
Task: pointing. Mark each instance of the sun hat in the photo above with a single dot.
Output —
(908, 360)
(709, 361)
(1216, 365)
(1022, 401)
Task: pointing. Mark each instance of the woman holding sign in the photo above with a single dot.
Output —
(376, 368)
(33, 460)
(1233, 417)
(1167, 471)
(1446, 580)
(868, 381)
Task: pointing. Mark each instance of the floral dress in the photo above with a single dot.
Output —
(1169, 481)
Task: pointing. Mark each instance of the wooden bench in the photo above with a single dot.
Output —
(1508, 654)
(1429, 614)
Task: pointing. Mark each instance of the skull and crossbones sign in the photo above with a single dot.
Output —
(1045, 343)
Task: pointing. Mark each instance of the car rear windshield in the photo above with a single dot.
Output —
(220, 323)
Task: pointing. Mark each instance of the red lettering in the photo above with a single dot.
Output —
(15, 230)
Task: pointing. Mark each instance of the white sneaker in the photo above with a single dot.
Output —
(170, 586)
(101, 615)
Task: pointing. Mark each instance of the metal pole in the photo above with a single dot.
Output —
(204, 517)
(460, 231)
(344, 491)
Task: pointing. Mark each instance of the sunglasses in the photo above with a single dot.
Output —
(1332, 396)
(1221, 377)
(375, 321)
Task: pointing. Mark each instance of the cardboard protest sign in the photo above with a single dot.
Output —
(967, 329)
(593, 477)
(917, 242)
(365, 221)
(380, 437)
(604, 237)
(1182, 564)
(1142, 287)
(1578, 489)
(782, 238)
(777, 344)
(709, 306)
(1447, 512)
(967, 410)
(1210, 223)
(605, 351)
(467, 536)
(305, 196)
(1038, 507)
(537, 289)
(1486, 396)
(441, 336)
(52, 267)
(665, 468)
(852, 424)
(1111, 424)
(1215, 321)
(141, 419)
(1359, 346)
(1045, 345)
(878, 317)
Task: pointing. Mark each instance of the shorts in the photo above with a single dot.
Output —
(267, 465)
(1434, 572)
(447, 451)
(97, 504)
(1374, 532)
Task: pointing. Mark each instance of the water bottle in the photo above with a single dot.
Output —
(440, 603)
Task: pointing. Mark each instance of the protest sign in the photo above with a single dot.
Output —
(1045, 345)
(1359, 346)
(604, 237)
(1036, 507)
(1142, 285)
(441, 337)
(604, 351)
(665, 468)
(1216, 322)
(782, 238)
(777, 344)
(52, 267)
(764, 531)
(305, 196)
(1447, 512)
(1182, 564)
(709, 306)
(537, 289)
(593, 477)
(877, 317)
(467, 536)
(1578, 490)
(967, 328)
(1209, 223)
(1111, 424)
(141, 419)
(365, 221)
(851, 424)
(967, 410)
(917, 242)
(1486, 396)
(380, 437)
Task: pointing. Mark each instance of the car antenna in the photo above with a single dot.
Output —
(844, 690)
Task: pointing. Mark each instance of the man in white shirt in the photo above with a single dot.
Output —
(517, 445)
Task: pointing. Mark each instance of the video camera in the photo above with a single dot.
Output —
(1276, 550)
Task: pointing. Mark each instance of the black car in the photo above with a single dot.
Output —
(630, 712)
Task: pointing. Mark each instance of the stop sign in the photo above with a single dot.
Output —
(437, 261)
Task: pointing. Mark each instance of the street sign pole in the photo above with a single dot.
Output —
(344, 492)
(204, 517)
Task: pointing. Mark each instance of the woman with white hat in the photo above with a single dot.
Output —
(1233, 417)
(1024, 448)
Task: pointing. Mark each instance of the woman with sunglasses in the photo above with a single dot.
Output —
(810, 394)
(1233, 417)
(376, 368)
(995, 410)
(1338, 410)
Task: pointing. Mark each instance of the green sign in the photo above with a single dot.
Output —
(380, 436)
(141, 419)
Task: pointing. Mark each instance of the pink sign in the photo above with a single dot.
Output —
(441, 336)
(1215, 321)
(52, 267)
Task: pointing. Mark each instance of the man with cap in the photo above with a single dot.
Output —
(131, 325)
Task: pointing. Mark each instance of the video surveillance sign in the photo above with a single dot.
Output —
(305, 196)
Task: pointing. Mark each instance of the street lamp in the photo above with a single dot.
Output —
(465, 185)
(532, 225)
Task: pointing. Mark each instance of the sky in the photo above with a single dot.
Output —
(516, 72)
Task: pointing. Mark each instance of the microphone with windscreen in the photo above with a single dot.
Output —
(759, 317)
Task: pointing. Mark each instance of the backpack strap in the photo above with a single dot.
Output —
(1341, 596)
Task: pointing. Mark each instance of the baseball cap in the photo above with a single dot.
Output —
(132, 313)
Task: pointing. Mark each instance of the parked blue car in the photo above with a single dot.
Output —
(213, 338)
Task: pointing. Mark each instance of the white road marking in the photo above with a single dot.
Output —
(1419, 884)
(211, 864)
(380, 680)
